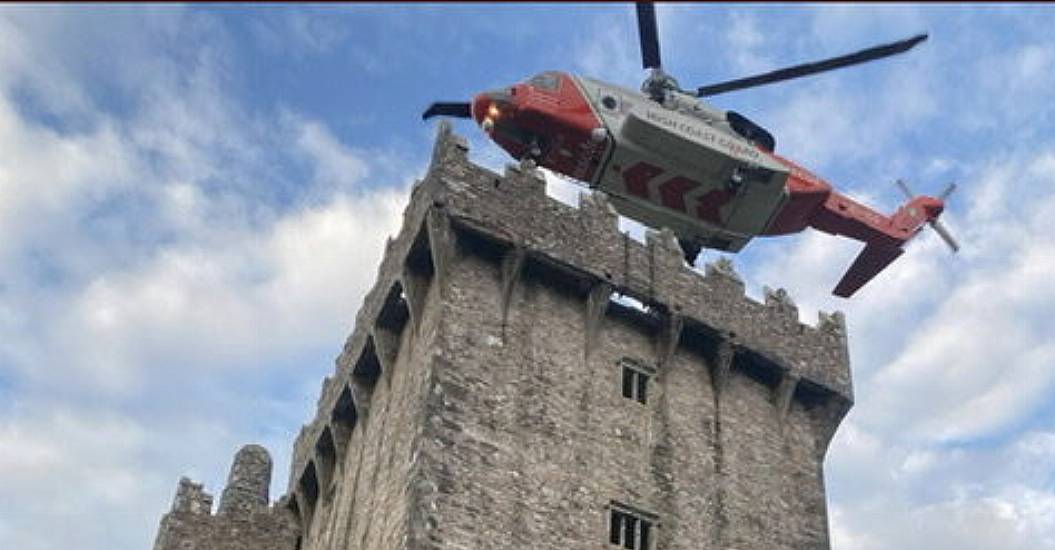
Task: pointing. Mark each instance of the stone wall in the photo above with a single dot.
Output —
(478, 402)
(244, 519)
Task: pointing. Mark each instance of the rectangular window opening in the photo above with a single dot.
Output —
(635, 381)
(628, 382)
(629, 530)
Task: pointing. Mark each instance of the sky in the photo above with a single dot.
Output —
(194, 199)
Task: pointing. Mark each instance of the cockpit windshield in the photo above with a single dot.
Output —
(545, 81)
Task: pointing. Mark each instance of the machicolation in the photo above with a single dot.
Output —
(498, 393)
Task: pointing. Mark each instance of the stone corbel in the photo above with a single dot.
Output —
(596, 304)
(667, 338)
(723, 365)
(783, 394)
(512, 265)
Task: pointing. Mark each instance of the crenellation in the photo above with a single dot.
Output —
(502, 404)
(597, 214)
(191, 498)
(522, 185)
(244, 519)
(653, 271)
(782, 309)
(450, 152)
(831, 323)
(667, 256)
(248, 482)
(723, 268)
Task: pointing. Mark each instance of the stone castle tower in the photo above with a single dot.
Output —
(524, 376)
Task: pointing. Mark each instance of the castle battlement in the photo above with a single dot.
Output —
(512, 214)
(521, 358)
(245, 518)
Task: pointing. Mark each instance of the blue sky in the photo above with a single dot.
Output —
(194, 199)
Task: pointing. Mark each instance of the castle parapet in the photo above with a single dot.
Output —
(244, 518)
(524, 375)
(460, 206)
(248, 483)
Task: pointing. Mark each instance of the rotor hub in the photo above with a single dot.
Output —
(658, 84)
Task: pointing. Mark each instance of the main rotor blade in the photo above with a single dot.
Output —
(460, 110)
(648, 35)
(805, 69)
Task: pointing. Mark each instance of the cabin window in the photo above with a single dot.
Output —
(629, 529)
(546, 81)
(635, 380)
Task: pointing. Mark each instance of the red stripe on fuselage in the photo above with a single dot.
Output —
(709, 206)
(636, 178)
(672, 192)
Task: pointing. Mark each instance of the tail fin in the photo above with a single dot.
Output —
(878, 253)
(873, 259)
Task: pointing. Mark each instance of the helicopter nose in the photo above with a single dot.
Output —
(486, 111)
(489, 107)
(481, 104)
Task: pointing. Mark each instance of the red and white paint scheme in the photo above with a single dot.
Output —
(683, 165)
(668, 159)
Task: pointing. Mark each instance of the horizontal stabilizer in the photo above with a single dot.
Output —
(873, 259)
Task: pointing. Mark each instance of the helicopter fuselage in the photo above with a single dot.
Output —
(708, 175)
(679, 164)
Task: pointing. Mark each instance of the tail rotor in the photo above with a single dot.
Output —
(935, 223)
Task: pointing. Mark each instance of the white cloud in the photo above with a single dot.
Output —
(41, 173)
(747, 45)
(608, 49)
(951, 355)
(161, 270)
(332, 161)
(55, 469)
(250, 295)
(839, 28)
(168, 254)
(301, 31)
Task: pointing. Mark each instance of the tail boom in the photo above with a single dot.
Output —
(884, 236)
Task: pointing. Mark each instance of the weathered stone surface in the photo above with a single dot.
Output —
(248, 483)
(479, 401)
(244, 521)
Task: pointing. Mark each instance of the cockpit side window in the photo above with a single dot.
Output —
(549, 82)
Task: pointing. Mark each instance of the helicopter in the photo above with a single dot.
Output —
(668, 159)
